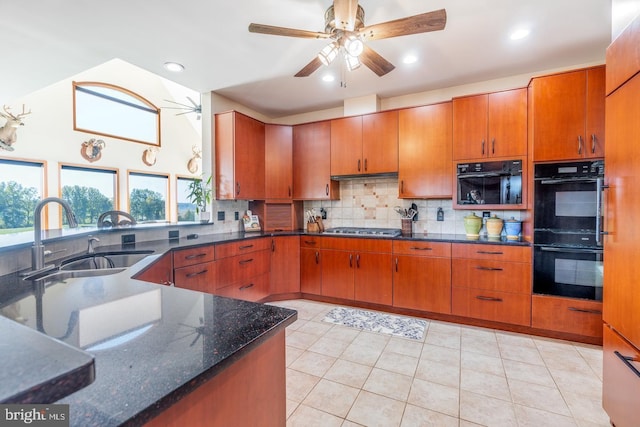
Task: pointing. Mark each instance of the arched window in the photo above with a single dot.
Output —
(106, 109)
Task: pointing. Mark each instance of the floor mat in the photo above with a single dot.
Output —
(404, 327)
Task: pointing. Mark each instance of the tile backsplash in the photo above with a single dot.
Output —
(370, 202)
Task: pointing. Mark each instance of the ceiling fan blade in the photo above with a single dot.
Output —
(375, 62)
(309, 68)
(423, 23)
(289, 32)
(345, 14)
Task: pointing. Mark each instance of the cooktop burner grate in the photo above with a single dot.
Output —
(364, 231)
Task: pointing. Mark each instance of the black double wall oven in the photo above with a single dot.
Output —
(568, 255)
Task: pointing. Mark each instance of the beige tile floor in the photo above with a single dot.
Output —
(456, 376)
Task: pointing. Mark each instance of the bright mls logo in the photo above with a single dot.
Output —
(34, 415)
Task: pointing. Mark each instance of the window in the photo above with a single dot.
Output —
(89, 191)
(186, 209)
(148, 196)
(21, 187)
(110, 110)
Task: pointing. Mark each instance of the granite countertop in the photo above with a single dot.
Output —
(152, 344)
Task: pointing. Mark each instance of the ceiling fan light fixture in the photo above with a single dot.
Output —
(354, 46)
(328, 53)
(353, 63)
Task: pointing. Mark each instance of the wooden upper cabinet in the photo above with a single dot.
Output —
(346, 146)
(365, 145)
(567, 116)
(490, 125)
(240, 157)
(424, 152)
(278, 182)
(312, 163)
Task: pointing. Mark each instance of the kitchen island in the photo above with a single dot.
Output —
(161, 353)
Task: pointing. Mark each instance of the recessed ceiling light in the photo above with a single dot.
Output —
(410, 59)
(520, 34)
(174, 67)
(328, 78)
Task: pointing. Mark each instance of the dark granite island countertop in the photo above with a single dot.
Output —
(153, 344)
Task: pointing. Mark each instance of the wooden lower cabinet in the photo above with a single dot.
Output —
(198, 277)
(338, 274)
(251, 289)
(504, 307)
(570, 315)
(160, 271)
(621, 379)
(242, 267)
(285, 265)
(250, 392)
(373, 282)
(310, 271)
(422, 283)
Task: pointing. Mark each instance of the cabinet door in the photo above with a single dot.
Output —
(310, 271)
(595, 133)
(224, 148)
(507, 130)
(621, 380)
(346, 146)
(380, 142)
(422, 283)
(249, 158)
(285, 264)
(338, 269)
(620, 291)
(559, 116)
(161, 271)
(373, 280)
(424, 152)
(470, 127)
(199, 277)
(311, 161)
(278, 179)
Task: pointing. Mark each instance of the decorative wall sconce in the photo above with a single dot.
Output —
(149, 156)
(91, 150)
(192, 165)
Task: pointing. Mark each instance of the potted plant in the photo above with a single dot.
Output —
(199, 193)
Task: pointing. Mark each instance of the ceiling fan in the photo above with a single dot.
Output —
(344, 27)
(193, 108)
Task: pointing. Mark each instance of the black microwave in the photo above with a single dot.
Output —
(490, 183)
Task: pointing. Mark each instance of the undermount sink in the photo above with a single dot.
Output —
(104, 260)
(60, 275)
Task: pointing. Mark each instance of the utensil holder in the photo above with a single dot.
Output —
(313, 227)
(407, 227)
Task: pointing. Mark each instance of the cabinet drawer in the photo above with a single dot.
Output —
(307, 241)
(242, 267)
(496, 252)
(199, 277)
(502, 307)
(574, 316)
(226, 250)
(254, 289)
(621, 379)
(434, 249)
(357, 245)
(184, 257)
(492, 275)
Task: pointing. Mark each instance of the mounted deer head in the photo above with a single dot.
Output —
(8, 131)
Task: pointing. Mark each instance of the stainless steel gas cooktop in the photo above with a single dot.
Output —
(381, 232)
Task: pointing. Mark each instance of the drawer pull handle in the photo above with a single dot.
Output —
(350, 260)
(627, 361)
(396, 264)
(483, 298)
(585, 310)
(250, 285)
(317, 257)
(310, 242)
(490, 252)
(488, 268)
(197, 274)
(416, 248)
(195, 256)
(245, 261)
(358, 261)
(245, 247)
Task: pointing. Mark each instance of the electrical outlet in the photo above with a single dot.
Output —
(486, 214)
(220, 215)
(174, 234)
(323, 213)
(440, 215)
(236, 215)
(128, 240)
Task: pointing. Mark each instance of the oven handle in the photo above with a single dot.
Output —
(479, 175)
(570, 250)
(567, 180)
(599, 189)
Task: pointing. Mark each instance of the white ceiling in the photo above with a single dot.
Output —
(57, 39)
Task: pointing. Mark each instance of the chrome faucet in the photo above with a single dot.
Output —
(90, 248)
(37, 251)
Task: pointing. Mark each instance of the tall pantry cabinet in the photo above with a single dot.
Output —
(621, 314)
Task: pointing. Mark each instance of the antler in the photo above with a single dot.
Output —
(7, 114)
